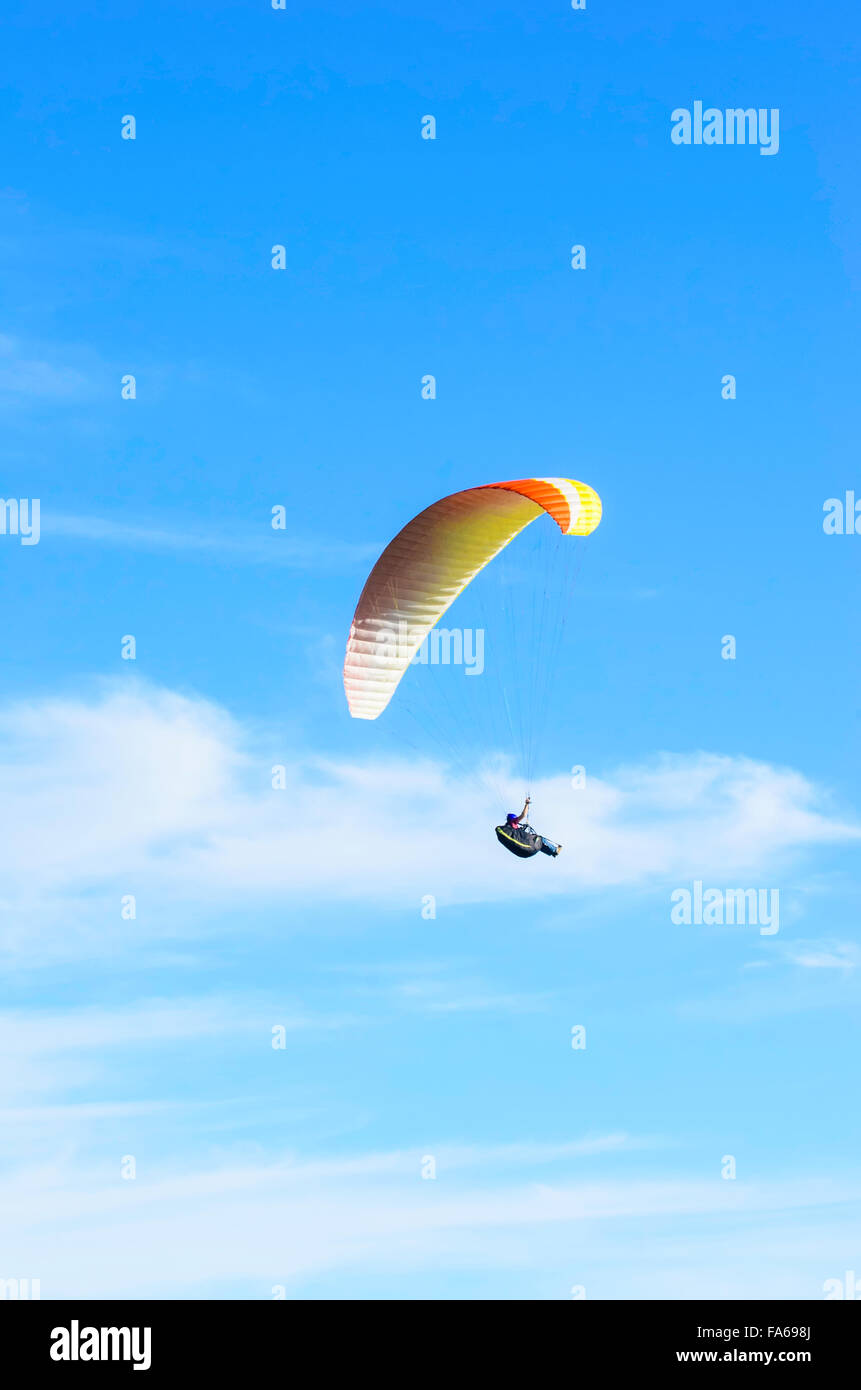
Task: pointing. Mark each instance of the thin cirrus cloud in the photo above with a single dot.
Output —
(285, 1221)
(55, 1050)
(824, 955)
(253, 545)
(260, 1217)
(25, 378)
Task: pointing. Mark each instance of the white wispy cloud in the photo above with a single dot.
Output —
(57, 1050)
(253, 545)
(284, 1220)
(433, 988)
(26, 378)
(548, 1213)
(144, 791)
(824, 955)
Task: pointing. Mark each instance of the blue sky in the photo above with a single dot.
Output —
(406, 1035)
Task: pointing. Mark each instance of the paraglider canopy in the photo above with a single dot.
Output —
(432, 560)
